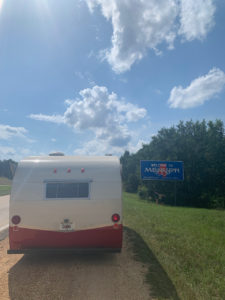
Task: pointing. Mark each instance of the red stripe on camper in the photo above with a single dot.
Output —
(106, 237)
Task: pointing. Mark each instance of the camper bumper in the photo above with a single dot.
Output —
(64, 251)
(106, 239)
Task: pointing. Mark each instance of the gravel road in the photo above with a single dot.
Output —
(86, 277)
(4, 210)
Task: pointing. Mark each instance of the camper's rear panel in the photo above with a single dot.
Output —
(66, 203)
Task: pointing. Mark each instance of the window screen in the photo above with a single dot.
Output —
(67, 190)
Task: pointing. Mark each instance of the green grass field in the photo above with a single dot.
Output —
(5, 186)
(183, 247)
(5, 181)
(5, 190)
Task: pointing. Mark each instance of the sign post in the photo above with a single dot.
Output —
(175, 193)
(163, 171)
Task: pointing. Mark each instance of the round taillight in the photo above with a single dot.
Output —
(16, 220)
(115, 218)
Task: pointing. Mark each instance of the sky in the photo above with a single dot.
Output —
(96, 77)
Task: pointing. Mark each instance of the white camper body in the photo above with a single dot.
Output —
(66, 202)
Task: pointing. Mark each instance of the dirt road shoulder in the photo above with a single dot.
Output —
(102, 276)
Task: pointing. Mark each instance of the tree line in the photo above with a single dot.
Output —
(7, 168)
(201, 146)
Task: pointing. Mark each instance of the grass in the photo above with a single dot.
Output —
(5, 181)
(5, 190)
(183, 247)
(5, 186)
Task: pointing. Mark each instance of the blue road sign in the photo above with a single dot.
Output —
(162, 170)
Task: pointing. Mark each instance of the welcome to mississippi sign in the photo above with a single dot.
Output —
(162, 170)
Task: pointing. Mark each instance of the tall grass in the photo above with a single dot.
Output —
(188, 244)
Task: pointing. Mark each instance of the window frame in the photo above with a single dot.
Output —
(88, 181)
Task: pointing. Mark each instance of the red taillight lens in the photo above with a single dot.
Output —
(115, 218)
(16, 220)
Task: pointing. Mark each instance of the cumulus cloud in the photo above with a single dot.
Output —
(196, 18)
(7, 132)
(96, 147)
(139, 25)
(102, 112)
(200, 90)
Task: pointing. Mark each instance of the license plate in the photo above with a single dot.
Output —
(66, 227)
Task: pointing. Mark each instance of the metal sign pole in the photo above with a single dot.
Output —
(175, 193)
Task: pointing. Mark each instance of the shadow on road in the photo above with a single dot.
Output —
(90, 276)
(57, 276)
(161, 285)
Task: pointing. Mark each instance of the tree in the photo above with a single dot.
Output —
(201, 146)
(7, 168)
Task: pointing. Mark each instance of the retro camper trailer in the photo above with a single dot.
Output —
(66, 203)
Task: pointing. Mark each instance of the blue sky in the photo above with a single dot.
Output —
(92, 77)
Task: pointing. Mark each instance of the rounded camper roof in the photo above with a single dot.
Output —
(71, 158)
(39, 167)
(67, 160)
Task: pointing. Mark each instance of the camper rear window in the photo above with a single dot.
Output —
(67, 190)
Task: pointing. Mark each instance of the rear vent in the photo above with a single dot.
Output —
(56, 154)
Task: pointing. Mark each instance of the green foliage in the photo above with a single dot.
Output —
(143, 192)
(201, 146)
(217, 202)
(130, 174)
(131, 185)
(7, 168)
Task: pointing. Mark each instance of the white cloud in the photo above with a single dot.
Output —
(102, 113)
(139, 25)
(135, 147)
(16, 152)
(7, 132)
(96, 147)
(200, 90)
(54, 118)
(196, 18)
(6, 152)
